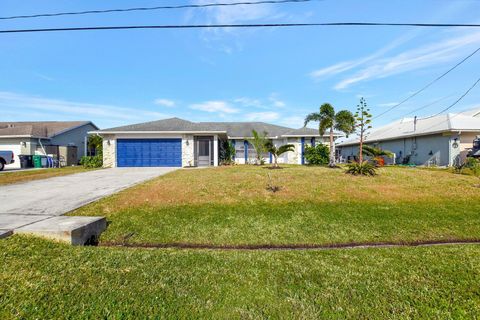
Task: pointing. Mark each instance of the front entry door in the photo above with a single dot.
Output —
(204, 152)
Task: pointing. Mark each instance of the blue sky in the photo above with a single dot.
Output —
(276, 75)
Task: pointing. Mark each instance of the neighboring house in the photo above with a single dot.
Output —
(441, 140)
(179, 143)
(30, 138)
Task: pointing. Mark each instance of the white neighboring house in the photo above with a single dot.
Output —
(441, 140)
(180, 143)
(40, 137)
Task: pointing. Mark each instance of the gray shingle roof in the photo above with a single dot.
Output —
(38, 129)
(232, 129)
(306, 132)
(244, 129)
(172, 124)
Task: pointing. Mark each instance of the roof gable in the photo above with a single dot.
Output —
(39, 129)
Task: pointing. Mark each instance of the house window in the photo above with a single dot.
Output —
(239, 151)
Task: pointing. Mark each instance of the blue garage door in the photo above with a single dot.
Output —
(149, 152)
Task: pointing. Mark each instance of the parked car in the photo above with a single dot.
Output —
(6, 157)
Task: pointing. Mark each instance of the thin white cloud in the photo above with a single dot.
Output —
(349, 65)
(262, 116)
(70, 109)
(293, 121)
(414, 59)
(276, 102)
(165, 103)
(238, 13)
(216, 37)
(43, 76)
(387, 104)
(249, 102)
(214, 106)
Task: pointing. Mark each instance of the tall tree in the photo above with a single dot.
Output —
(327, 119)
(363, 119)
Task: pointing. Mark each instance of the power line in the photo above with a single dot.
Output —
(428, 85)
(262, 25)
(428, 105)
(459, 99)
(185, 6)
(451, 106)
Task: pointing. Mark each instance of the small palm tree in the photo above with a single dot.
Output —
(276, 152)
(342, 121)
(258, 141)
(376, 152)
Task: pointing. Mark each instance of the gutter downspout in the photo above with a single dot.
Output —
(85, 141)
(41, 145)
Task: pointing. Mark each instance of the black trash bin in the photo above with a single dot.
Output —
(26, 161)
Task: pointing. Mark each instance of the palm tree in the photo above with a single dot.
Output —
(376, 152)
(342, 121)
(276, 152)
(258, 141)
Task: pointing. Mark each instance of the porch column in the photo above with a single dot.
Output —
(303, 150)
(245, 144)
(215, 150)
(233, 144)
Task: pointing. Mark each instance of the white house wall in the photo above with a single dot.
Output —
(423, 150)
(293, 157)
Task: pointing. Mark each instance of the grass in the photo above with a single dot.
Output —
(316, 205)
(41, 279)
(227, 206)
(30, 175)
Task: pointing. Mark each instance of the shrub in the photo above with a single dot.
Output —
(364, 168)
(379, 161)
(227, 152)
(472, 166)
(92, 162)
(317, 155)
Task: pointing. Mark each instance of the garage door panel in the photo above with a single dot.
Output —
(149, 152)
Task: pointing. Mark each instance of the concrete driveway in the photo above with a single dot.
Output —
(26, 203)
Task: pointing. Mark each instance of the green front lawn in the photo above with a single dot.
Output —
(9, 177)
(231, 206)
(45, 280)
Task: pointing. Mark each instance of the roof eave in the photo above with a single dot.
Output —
(23, 136)
(346, 144)
(156, 132)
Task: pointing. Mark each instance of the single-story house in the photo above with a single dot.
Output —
(42, 137)
(180, 143)
(441, 140)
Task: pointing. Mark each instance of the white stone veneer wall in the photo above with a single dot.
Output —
(109, 151)
(188, 157)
